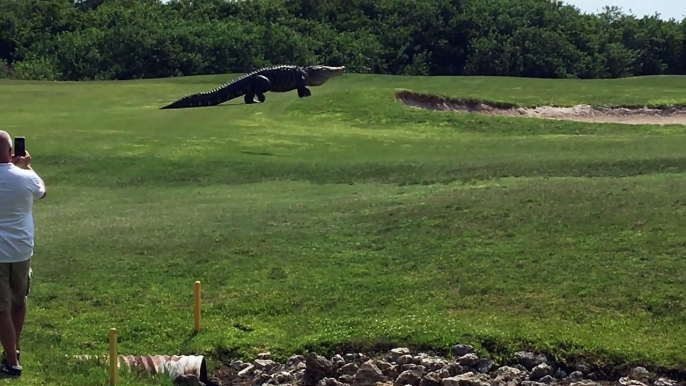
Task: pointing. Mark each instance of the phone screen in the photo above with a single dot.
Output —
(19, 146)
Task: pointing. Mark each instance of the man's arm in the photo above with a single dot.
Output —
(37, 185)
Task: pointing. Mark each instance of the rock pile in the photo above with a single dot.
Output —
(401, 367)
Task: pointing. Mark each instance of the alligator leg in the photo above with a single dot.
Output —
(303, 91)
(249, 97)
(261, 85)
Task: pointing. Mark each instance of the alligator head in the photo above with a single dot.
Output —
(318, 75)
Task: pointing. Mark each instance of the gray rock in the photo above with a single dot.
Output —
(576, 376)
(338, 360)
(282, 377)
(626, 381)
(383, 365)
(639, 373)
(585, 382)
(260, 378)
(298, 374)
(368, 374)
(264, 364)
(451, 381)
(508, 376)
(347, 378)
(246, 371)
(664, 382)
(433, 364)
(462, 349)
(409, 377)
(239, 365)
(264, 355)
(530, 360)
(540, 371)
(392, 373)
(357, 358)
(330, 382)
(520, 367)
(349, 369)
(560, 374)
(533, 383)
(592, 376)
(398, 352)
(583, 368)
(444, 373)
(454, 369)
(407, 359)
(484, 365)
(468, 360)
(293, 360)
(317, 369)
(548, 379)
(466, 379)
(431, 379)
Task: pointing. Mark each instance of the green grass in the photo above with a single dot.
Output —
(349, 220)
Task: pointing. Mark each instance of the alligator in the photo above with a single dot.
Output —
(280, 78)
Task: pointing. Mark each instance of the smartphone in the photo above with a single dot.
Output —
(19, 146)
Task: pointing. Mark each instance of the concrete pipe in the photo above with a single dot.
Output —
(175, 366)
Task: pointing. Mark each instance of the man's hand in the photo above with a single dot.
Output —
(23, 162)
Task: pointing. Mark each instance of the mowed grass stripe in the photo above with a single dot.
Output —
(349, 219)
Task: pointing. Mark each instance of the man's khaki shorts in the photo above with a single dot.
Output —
(14, 283)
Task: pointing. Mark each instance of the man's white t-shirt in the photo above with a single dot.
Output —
(18, 189)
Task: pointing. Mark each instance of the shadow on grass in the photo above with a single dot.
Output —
(258, 153)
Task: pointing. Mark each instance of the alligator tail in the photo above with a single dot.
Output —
(221, 94)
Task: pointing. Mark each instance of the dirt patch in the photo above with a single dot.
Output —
(224, 375)
(579, 113)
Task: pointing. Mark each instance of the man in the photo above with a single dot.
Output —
(19, 187)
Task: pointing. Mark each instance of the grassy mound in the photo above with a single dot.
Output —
(348, 220)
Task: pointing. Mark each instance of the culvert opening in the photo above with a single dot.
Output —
(675, 115)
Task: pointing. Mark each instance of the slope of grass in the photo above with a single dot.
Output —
(347, 219)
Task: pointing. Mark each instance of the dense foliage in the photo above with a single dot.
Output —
(127, 39)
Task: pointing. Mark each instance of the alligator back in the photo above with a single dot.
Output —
(282, 78)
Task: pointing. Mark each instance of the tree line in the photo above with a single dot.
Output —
(133, 39)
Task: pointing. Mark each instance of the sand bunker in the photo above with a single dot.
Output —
(580, 113)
